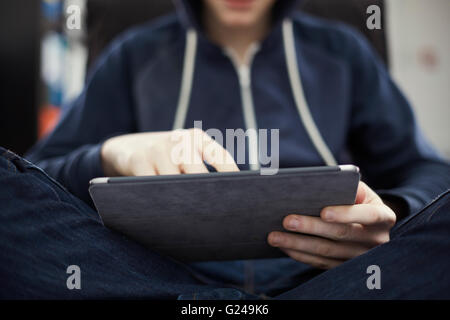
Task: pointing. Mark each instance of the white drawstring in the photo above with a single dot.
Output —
(243, 72)
(294, 78)
(299, 97)
(186, 80)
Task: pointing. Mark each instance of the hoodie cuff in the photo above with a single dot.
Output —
(405, 196)
(91, 163)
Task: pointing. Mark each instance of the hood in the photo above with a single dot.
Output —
(189, 11)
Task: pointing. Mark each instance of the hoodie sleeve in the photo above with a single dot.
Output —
(71, 153)
(385, 141)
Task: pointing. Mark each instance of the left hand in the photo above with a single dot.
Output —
(341, 232)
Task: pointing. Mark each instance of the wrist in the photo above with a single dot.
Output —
(106, 156)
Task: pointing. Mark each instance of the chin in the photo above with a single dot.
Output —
(238, 21)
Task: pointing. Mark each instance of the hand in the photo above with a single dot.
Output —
(341, 232)
(161, 153)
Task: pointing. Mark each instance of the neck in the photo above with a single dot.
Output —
(239, 39)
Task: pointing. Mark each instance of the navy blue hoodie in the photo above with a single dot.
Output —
(354, 111)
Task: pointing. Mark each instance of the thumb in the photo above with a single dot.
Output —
(365, 195)
(361, 193)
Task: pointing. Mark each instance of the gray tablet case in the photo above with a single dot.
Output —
(218, 216)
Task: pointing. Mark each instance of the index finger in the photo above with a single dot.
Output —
(217, 156)
(365, 214)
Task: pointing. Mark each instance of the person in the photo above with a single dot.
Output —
(253, 64)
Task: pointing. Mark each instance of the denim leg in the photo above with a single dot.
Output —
(44, 230)
(415, 264)
(264, 277)
(275, 276)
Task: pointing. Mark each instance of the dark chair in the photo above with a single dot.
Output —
(107, 18)
(19, 73)
(352, 12)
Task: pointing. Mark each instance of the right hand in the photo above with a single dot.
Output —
(158, 153)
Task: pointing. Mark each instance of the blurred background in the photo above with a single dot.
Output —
(43, 64)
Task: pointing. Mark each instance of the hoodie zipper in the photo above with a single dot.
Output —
(244, 74)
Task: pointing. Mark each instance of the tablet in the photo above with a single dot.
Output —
(218, 216)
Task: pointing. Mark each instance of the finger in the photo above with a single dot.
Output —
(317, 227)
(316, 262)
(217, 156)
(316, 246)
(360, 193)
(190, 168)
(143, 170)
(164, 164)
(365, 194)
(366, 214)
(141, 166)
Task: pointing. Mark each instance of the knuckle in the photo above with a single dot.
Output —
(286, 242)
(342, 232)
(376, 216)
(324, 250)
(154, 148)
(292, 243)
(305, 224)
(392, 219)
(381, 239)
(134, 158)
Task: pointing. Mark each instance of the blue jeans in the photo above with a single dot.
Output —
(44, 230)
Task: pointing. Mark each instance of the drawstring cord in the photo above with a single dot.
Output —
(300, 101)
(294, 79)
(187, 79)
